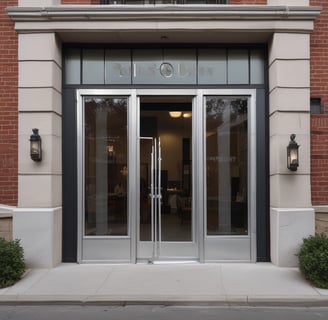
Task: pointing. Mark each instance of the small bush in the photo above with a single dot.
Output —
(313, 260)
(12, 265)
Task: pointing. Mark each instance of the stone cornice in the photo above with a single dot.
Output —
(162, 13)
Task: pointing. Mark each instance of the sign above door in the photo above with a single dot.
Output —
(164, 66)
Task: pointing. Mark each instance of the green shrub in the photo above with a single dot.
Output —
(313, 260)
(12, 265)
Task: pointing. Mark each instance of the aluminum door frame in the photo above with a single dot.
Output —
(129, 243)
(105, 249)
(235, 248)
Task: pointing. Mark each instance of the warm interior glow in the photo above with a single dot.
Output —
(110, 148)
(175, 114)
(187, 114)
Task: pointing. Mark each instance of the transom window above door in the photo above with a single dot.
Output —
(164, 66)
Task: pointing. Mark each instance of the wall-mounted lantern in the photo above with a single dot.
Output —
(35, 146)
(292, 154)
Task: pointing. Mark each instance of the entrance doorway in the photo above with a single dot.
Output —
(166, 175)
(166, 214)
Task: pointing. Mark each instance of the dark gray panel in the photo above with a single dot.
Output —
(69, 177)
(262, 183)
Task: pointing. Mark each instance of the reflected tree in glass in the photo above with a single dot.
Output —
(226, 165)
(106, 169)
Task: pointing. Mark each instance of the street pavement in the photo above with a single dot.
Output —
(166, 284)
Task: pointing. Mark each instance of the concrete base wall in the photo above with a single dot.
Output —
(40, 234)
(288, 229)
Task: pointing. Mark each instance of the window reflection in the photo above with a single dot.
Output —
(226, 165)
(106, 170)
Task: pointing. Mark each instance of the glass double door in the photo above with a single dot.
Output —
(166, 175)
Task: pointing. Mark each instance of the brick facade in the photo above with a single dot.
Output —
(9, 100)
(319, 123)
(8, 107)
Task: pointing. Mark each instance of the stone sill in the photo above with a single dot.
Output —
(321, 209)
(5, 215)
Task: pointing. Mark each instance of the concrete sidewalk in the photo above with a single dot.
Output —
(217, 284)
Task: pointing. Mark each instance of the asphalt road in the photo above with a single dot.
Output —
(148, 312)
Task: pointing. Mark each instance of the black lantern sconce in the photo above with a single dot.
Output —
(35, 146)
(292, 154)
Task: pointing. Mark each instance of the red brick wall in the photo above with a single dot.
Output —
(319, 56)
(319, 123)
(319, 159)
(8, 107)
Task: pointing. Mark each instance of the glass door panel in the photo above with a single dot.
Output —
(166, 214)
(103, 177)
(230, 153)
(227, 165)
(105, 166)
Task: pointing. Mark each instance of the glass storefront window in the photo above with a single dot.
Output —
(238, 67)
(257, 66)
(93, 66)
(73, 66)
(212, 66)
(227, 165)
(106, 170)
(118, 66)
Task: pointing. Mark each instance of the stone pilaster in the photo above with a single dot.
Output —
(37, 220)
(292, 217)
(293, 3)
(38, 3)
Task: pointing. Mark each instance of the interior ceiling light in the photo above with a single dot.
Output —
(175, 114)
(187, 114)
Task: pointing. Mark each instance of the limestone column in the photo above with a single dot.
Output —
(38, 218)
(38, 3)
(291, 214)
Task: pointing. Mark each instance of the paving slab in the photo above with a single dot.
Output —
(164, 280)
(264, 280)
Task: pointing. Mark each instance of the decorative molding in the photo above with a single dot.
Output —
(162, 13)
